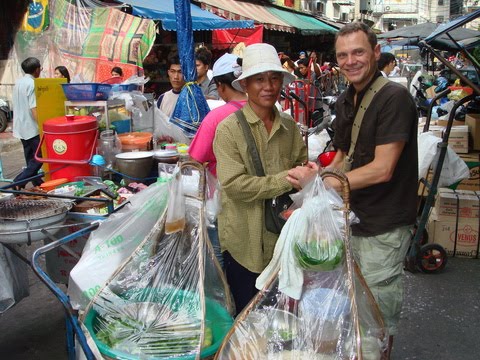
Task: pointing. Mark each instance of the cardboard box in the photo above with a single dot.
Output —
(461, 241)
(473, 182)
(473, 123)
(462, 203)
(458, 139)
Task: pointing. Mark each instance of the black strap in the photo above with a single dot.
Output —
(251, 145)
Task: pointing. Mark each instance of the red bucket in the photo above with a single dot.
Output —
(70, 142)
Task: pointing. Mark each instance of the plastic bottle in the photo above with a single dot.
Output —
(97, 163)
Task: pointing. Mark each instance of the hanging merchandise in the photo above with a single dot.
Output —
(313, 302)
(37, 17)
(170, 298)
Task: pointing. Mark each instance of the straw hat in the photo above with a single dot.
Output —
(259, 58)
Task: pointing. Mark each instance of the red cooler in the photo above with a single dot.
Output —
(70, 141)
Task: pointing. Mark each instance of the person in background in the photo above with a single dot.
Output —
(62, 72)
(203, 59)
(25, 125)
(117, 72)
(225, 70)
(301, 55)
(246, 244)
(167, 101)
(386, 63)
(384, 173)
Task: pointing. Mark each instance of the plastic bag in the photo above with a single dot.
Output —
(454, 169)
(165, 129)
(175, 220)
(427, 149)
(213, 204)
(324, 311)
(114, 241)
(169, 299)
(14, 284)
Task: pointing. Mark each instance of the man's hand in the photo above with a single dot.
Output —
(302, 175)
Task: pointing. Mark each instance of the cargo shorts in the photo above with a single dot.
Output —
(381, 260)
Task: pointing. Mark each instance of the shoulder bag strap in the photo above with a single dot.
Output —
(379, 83)
(251, 146)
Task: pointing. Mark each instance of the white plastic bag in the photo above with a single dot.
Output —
(454, 169)
(175, 220)
(427, 149)
(114, 241)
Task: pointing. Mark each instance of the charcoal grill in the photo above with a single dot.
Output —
(21, 220)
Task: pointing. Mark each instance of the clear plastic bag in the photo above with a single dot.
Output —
(114, 241)
(169, 299)
(175, 220)
(213, 204)
(310, 312)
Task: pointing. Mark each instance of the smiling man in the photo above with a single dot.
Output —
(383, 173)
(246, 243)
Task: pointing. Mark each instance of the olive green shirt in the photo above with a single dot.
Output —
(241, 221)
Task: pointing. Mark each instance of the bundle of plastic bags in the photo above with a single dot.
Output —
(313, 302)
(169, 299)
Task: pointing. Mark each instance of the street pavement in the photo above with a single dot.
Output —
(440, 318)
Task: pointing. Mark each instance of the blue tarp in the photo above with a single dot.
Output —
(164, 10)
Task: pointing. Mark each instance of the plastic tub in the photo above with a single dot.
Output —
(86, 91)
(52, 184)
(217, 316)
(133, 141)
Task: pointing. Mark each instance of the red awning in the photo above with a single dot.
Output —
(225, 39)
(239, 10)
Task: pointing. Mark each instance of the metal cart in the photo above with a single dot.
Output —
(431, 258)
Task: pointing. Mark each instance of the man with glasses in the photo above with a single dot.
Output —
(167, 101)
(25, 126)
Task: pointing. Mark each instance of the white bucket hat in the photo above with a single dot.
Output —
(259, 58)
(226, 64)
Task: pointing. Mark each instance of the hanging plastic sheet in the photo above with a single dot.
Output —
(170, 298)
(313, 302)
(87, 37)
(191, 105)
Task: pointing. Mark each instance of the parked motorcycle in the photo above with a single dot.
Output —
(5, 114)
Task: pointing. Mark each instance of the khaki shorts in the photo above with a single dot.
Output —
(381, 259)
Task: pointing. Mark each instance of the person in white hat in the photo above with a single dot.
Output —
(225, 70)
(246, 243)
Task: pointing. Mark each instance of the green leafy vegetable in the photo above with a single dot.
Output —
(320, 255)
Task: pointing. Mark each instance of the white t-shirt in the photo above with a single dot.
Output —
(24, 125)
(167, 101)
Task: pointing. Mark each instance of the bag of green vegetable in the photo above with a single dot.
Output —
(313, 302)
(170, 298)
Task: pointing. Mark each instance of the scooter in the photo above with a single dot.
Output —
(5, 114)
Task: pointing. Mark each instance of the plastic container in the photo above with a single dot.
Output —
(216, 315)
(52, 184)
(70, 145)
(135, 141)
(109, 145)
(122, 126)
(86, 91)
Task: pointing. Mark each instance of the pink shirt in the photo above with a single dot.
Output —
(201, 148)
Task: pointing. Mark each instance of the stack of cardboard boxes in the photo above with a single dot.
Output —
(455, 222)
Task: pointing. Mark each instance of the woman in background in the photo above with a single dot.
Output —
(117, 72)
(62, 72)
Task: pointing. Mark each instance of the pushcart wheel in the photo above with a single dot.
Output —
(432, 258)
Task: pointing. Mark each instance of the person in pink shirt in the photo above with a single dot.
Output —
(225, 70)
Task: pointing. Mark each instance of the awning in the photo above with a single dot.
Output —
(236, 10)
(307, 25)
(164, 11)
